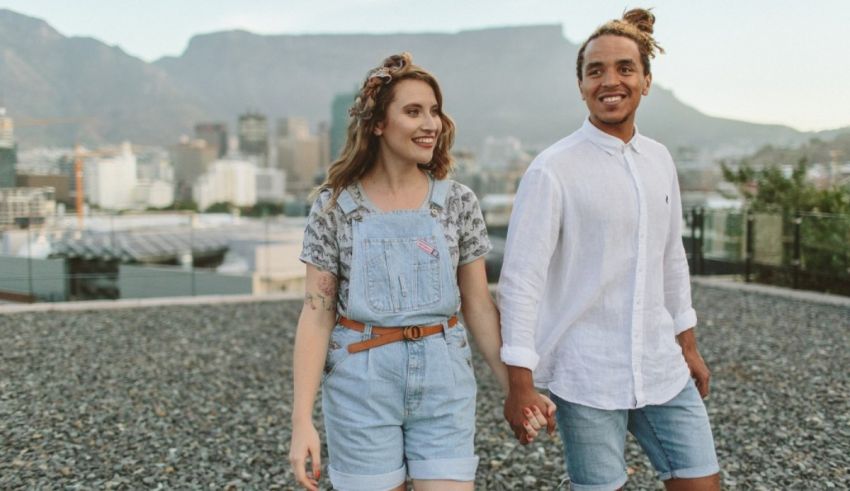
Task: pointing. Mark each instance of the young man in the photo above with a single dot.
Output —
(595, 295)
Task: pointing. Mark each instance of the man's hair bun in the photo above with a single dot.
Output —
(643, 19)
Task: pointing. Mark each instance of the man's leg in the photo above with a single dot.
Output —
(594, 445)
(708, 483)
(677, 439)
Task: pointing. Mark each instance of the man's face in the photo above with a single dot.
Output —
(612, 84)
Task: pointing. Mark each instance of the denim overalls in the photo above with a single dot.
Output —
(404, 408)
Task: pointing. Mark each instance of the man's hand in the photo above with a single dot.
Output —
(699, 370)
(524, 405)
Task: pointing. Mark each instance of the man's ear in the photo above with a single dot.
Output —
(645, 90)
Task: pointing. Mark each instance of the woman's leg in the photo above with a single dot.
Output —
(442, 485)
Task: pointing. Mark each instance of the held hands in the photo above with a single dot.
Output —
(523, 412)
(305, 443)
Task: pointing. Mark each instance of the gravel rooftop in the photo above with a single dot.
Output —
(198, 397)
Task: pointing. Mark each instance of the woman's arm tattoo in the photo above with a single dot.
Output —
(325, 298)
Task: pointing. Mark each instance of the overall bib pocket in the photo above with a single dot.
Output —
(402, 274)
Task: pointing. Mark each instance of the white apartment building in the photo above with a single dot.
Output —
(32, 203)
(109, 180)
(227, 180)
(153, 193)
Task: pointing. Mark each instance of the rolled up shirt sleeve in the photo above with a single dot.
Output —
(532, 237)
(677, 282)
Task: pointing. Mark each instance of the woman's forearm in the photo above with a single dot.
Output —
(482, 318)
(312, 336)
(309, 352)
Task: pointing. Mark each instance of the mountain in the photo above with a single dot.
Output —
(89, 92)
(516, 81)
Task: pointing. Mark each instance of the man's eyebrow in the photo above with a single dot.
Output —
(626, 61)
(594, 64)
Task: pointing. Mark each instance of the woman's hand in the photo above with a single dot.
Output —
(305, 443)
(536, 420)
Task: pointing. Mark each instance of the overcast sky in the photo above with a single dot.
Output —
(776, 61)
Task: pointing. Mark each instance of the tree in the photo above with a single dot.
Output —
(823, 215)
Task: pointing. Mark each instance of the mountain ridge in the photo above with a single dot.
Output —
(507, 81)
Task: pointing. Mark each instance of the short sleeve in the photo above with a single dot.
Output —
(321, 248)
(473, 241)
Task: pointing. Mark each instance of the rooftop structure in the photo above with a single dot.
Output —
(199, 395)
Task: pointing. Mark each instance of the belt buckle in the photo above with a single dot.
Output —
(412, 333)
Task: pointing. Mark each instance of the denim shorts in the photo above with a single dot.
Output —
(676, 437)
(402, 409)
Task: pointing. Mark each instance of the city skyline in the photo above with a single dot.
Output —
(727, 59)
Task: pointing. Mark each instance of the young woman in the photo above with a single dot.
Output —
(392, 249)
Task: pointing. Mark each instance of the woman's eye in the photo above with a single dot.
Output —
(413, 112)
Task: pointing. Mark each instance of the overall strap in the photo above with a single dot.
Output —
(346, 202)
(440, 192)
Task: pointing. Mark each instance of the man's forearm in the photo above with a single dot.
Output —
(520, 378)
(687, 340)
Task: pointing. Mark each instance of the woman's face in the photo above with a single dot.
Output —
(408, 134)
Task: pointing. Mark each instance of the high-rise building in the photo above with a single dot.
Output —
(324, 134)
(298, 155)
(271, 185)
(190, 159)
(339, 121)
(215, 134)
(227, 181)
(109, 180)
(254, 137)
(8, 151)
(7, 134)
(293, 128)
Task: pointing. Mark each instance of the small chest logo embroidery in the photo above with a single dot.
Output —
(428, 248)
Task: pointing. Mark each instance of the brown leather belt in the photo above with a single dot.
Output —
(387, 335)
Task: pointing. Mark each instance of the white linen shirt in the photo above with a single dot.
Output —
(594, 285)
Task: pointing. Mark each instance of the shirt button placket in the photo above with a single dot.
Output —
(638, 307)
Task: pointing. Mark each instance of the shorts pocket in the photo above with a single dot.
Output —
(460, 352)
(338, 353)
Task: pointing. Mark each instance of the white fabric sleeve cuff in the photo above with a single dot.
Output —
(684, 321)
(519, 357)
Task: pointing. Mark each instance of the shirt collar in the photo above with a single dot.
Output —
(610, 144)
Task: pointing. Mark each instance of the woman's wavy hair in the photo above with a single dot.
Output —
(637, 25)
(370, 107)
